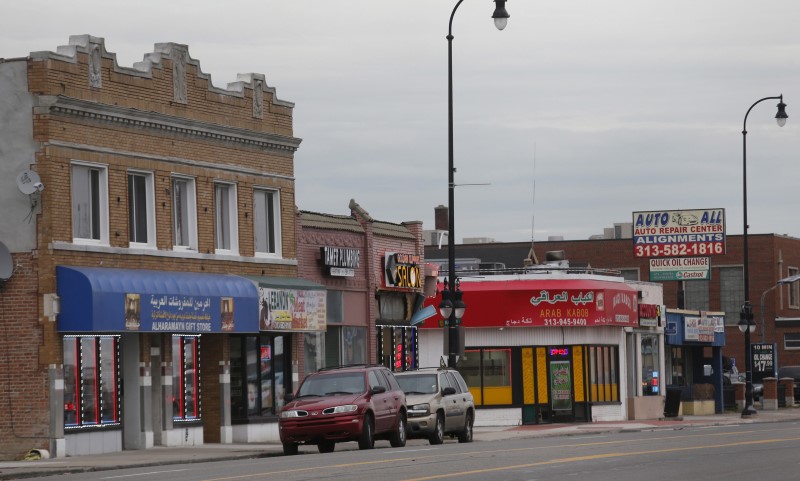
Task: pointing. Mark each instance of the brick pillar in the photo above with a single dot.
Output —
(769, 400)
(788, 387)
(739, 390)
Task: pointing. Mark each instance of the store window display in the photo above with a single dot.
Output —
(258, 374)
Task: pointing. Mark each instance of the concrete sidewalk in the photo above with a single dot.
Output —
(159, 456)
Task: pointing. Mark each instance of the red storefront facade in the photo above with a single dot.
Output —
(548, 347)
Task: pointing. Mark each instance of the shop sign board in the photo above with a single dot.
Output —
(763, 357)
(680, 269)
(340, 261)
(291, 309)
(679, 233)
(699, 329)
(649, 315)
(402, 270)
(535, 303)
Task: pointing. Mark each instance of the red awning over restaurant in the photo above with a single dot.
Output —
(543, 302)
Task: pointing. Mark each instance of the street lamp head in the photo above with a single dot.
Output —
(500, 15)
(781, 116)
(458, 305)
(446, 306)
(746, 323)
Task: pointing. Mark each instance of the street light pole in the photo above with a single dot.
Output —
(746, 316)
(452, 297)
(784, 281)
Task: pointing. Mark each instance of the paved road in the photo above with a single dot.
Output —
(159, 458)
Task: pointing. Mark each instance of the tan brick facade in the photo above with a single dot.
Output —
(136, 119)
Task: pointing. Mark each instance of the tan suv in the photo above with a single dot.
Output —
(439, 403)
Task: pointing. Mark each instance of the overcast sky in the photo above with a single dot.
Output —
(579, 113)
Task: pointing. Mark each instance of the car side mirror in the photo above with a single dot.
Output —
(289, 397)
(378, 389)
(448, 391)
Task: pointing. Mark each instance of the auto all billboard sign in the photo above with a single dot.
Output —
(678, 241)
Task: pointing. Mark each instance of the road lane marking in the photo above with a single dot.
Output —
(482, 452)
(592, 457)
(145, 474)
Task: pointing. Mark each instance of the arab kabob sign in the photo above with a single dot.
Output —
(559, 303)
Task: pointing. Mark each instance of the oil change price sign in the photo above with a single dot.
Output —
(680, 269)
(763, 355)
(679, 233)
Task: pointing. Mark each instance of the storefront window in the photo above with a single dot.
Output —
(488, 375)
(91, 381)
(651, 374)
(677, 365)
(314, 346)
(397, 347)
(259, 378)
(185, 378)
(603, 373)
(345, 345)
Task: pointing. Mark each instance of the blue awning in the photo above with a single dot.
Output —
(96, 299)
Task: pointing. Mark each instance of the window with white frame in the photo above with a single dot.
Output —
(266, 222)
(89, 203)
(227, 233)
(184, 213)
(141, 209)
(794, 289)
(791, 341)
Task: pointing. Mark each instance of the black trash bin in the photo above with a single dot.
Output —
(672, 404)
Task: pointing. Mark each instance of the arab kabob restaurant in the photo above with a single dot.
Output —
(540, 347)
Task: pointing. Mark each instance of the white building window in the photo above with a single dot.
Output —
(266, 222)
(184, 214)
(141, 210)
(791, 341)
(89, 204)
(227, 232)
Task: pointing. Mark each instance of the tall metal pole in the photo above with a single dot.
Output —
(747, 308)
(500, 17)
(452, 328)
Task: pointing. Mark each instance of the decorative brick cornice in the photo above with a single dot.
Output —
(151, 120)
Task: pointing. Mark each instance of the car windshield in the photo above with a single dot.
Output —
(418, 383)
(335, 383)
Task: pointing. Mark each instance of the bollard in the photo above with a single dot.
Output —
(769, 399)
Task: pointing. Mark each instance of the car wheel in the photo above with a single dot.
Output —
(398, 439)
(326, 446)
(465, 436)
(367, 438)
(289, 449)
(437, 436)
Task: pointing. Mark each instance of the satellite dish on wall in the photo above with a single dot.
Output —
(6, 264)
(28, 182)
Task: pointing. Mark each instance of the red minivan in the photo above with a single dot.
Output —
(346, 403)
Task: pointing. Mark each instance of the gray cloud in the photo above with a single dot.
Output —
(621, 105)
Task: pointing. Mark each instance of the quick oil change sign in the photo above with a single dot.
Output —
(679, 233)
(680, 269)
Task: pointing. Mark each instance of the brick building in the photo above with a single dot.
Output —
(146, 213)
(772, 258)
(361, 262)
